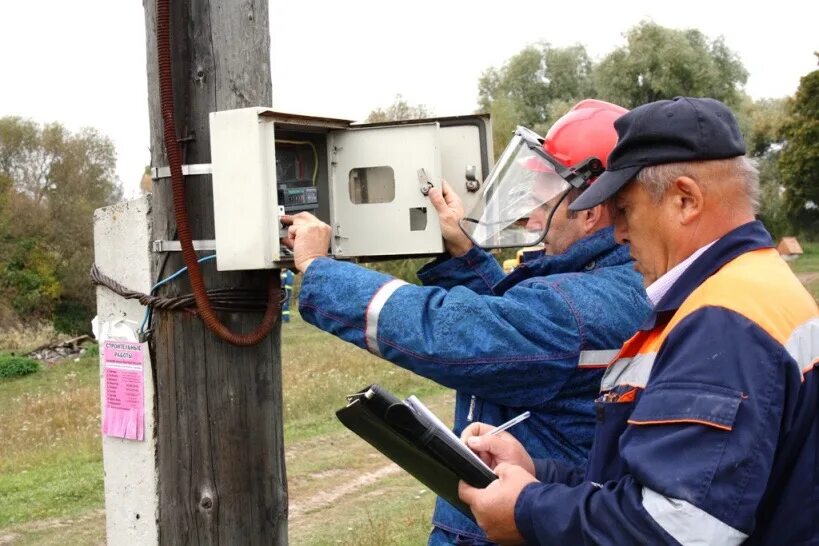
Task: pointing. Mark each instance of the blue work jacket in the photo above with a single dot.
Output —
(706, 423)
(536, 339)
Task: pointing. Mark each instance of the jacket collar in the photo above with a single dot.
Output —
(597, 250)
(745, 238)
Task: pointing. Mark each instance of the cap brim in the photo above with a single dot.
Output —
(604, 187)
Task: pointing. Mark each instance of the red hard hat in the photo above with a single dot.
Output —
(587, 130)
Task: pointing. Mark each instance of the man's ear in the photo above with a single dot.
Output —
(688, 199)
(592, 217)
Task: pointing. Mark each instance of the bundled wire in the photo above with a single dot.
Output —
(222, 299)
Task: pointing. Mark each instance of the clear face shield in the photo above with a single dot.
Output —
(522, 192)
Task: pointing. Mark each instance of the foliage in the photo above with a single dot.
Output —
(51, 181)
(660, 63)
(525, 90)
(92, 350)
(541, 83)
(399, 110)
(799, 160)
(772, 209)
(761, 123)
(404, 269)
(28, 277)
(71, 317)
(17, 366)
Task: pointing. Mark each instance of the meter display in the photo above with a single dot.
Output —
(296, 172)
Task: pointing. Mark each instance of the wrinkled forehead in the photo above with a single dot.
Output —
(627, 192)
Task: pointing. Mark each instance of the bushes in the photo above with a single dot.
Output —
(17, 366)
(28, 277)
(72, 317)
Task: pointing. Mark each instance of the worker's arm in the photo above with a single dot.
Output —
(477, 270)
(518, 349)
(463, 264)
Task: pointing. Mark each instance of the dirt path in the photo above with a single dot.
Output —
(324, 499)
(807, 278)
(91, 527)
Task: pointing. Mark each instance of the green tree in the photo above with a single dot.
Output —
(761, 123)
(29, 278)
(534, 88)
(799, 159)
(659, 63)
(54, 179)
(399, 110)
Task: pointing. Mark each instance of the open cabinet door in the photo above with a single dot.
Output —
(466, 155)
(466, 152)
(376, 180)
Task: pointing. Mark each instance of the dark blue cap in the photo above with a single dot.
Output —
(665, 131)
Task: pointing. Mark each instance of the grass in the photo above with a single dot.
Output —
(51, 477)
(52, 459)
(806, 267)
(319, 371)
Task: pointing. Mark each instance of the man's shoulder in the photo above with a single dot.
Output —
(595, 276)
(759, 286)
(600, 294)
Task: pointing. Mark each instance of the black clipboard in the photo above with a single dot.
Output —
(416, 441)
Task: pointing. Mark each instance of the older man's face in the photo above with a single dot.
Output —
(646, 226)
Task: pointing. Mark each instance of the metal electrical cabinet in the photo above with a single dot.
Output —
(368, 182)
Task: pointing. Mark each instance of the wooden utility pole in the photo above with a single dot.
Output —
(219, 407)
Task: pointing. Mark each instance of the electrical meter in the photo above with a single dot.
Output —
(297, 175)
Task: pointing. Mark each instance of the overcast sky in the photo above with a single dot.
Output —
(82, 63)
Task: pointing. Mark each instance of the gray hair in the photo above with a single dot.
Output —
(657, 178)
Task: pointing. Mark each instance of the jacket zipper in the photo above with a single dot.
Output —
(470, 415)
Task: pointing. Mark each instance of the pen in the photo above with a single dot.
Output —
(510, 423)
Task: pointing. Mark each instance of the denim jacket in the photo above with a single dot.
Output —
(537, 339)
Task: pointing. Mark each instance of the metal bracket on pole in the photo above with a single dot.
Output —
(176, 246)
(158, 173)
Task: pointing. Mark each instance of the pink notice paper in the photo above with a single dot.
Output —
(124, 412)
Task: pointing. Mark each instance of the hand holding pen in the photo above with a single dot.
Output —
(494, 446)
(510, 423)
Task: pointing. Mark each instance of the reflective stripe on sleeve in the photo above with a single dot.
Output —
(374, 310)
(628, 371)
(803, 345)
(596, 359)
(688, 524)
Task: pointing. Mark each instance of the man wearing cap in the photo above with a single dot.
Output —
(533, 340)
(706, 422)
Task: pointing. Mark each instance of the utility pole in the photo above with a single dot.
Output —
(220, 449)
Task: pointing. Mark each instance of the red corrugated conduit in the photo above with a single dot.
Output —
(177, 180)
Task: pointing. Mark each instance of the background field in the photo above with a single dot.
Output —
(51, 480)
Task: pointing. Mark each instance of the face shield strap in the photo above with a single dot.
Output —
(551, 215)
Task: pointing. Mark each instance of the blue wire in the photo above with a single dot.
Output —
(167, 280)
